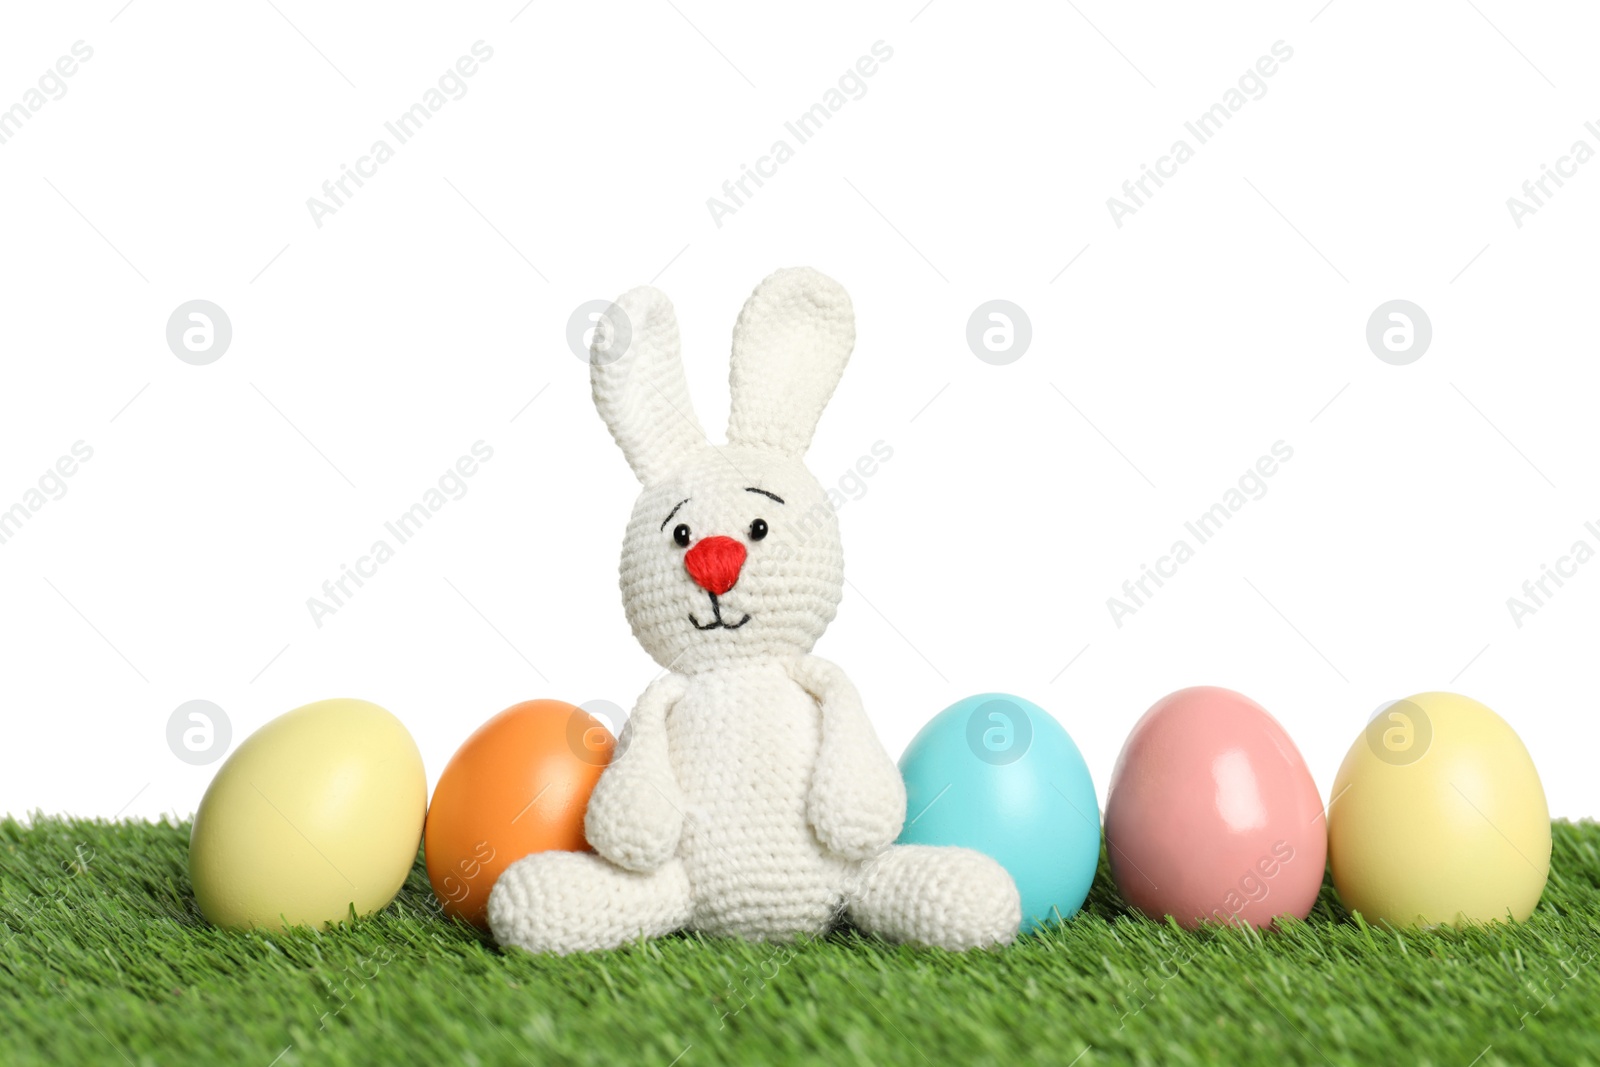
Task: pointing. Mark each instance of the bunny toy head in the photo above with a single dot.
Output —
(732, 554)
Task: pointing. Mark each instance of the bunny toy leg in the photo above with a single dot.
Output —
(943, 896)
(564, 902)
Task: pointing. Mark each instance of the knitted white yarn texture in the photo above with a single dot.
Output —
(750, 795)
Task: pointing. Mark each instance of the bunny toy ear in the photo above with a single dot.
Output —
(639, 387)
(790, 346)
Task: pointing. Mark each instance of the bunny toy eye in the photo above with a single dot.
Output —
(680, 534)
(758, 529)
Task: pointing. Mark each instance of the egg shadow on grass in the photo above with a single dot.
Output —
(416, 899)
(1106, 903)
(414, 902)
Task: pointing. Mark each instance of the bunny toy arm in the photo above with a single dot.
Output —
(857, 800)
(635, 813)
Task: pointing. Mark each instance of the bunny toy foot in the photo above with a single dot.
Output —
(750, 795)
(951, 898)
(565, 902)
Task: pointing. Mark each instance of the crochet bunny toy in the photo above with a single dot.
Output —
(750, 796)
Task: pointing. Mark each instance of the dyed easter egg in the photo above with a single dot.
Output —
(520, 784)
(1212, 816)
(318, 812)
(1438, 816)
(998, 774)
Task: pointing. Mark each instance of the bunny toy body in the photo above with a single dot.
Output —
(750, 795)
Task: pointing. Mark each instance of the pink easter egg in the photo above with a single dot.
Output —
(1212, 815)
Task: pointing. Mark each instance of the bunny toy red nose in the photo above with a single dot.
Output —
(714, 563)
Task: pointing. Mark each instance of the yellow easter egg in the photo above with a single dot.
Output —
(1437, 816)
(318, 811)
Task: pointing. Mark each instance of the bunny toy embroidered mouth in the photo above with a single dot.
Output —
(750, 796)
(717, 622)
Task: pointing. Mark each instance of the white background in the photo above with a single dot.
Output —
(1227, 314)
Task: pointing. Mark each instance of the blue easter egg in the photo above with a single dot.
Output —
(998, 774)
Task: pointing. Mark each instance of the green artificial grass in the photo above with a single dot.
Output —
(104, 959)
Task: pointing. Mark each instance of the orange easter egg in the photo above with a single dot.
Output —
(518, 785)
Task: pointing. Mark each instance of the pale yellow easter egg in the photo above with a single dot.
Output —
(1437, 816)
(319, 811)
